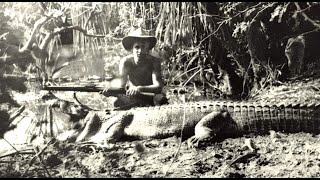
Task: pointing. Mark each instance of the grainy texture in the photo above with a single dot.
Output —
(278, 154)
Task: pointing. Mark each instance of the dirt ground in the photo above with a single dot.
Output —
(272, 155)
(289, 155)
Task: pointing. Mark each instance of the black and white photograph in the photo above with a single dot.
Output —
(160, 89)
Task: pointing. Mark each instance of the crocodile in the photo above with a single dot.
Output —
(198, 121)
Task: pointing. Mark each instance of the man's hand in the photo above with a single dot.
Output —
(104, 91)
(133, 90)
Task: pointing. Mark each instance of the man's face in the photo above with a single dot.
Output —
(140, 49)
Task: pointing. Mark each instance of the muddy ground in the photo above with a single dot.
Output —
(272, 155)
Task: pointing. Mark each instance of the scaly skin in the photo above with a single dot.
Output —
(201, 119)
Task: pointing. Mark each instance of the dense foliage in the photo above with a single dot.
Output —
(233, 49)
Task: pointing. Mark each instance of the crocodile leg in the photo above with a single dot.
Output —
(102, 127)
(209, 126)
(92, 125)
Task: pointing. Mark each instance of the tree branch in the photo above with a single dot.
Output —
(43, 6)
(40, 22)
(243, 11)
(46, 40)
(85, 32)
(261, 12)
(305, 16)
(229, 19)
(308, 32)
(90, 16)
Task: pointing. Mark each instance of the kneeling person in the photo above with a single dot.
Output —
(140, 72)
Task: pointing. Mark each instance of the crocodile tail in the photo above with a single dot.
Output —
(260, 118)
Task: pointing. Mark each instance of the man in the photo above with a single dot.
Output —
(295, 50)
(139, 73)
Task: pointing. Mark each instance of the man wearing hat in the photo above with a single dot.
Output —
(140, 72)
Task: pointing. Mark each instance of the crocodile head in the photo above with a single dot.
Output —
(75, 110)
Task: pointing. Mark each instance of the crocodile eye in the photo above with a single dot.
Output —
(246, 127)
(77, 126)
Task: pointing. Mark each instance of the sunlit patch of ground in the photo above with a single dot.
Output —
(289, 155)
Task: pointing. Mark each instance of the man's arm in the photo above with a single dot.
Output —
(123, 73)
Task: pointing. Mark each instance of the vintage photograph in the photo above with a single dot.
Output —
(159, 89)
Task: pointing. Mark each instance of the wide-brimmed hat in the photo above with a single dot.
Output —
(137, 34)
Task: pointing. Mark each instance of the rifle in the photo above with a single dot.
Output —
(90, 88)
(85, 87)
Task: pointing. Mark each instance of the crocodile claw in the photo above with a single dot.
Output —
(193, 142)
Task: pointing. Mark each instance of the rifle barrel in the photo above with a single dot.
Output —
(110, 92)
(74, 88)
